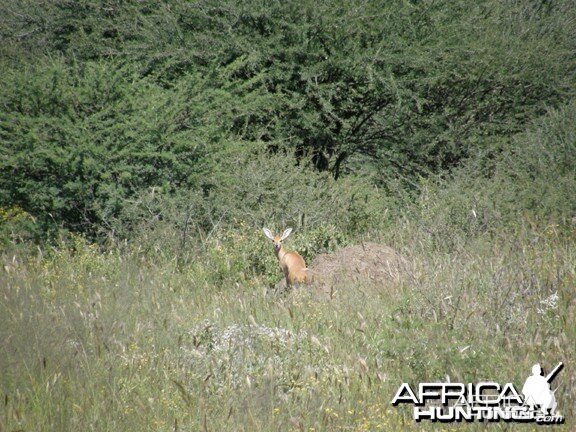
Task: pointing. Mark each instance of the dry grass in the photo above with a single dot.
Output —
(119, 341)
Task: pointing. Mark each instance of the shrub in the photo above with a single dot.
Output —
(530, 180)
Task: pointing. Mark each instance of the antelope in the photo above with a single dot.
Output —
(291, 263)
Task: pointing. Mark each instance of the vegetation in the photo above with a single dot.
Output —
(144, 144)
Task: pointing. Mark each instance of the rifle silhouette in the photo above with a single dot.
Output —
(554, 372)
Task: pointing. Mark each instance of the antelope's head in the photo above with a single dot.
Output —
(277, 240)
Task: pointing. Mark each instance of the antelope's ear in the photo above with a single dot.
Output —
(267, 233)
(286, 233)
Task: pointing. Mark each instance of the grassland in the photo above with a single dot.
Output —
(124, 340)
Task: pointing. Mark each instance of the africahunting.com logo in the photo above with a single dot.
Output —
(490, 401)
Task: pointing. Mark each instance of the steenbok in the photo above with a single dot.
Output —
(291, 263)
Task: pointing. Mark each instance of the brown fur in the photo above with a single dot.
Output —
(291, 263)
(293, 266)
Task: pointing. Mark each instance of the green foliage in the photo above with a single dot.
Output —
(80, 140)
(251, 189)
(103, 103)
(17, 226)
(532, 179)
(225, 224)
(536, 174)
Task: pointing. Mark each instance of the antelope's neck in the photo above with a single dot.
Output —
(280, 253)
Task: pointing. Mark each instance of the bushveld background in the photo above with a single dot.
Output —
(144, 144)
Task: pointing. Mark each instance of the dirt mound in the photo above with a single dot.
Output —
(366, 262)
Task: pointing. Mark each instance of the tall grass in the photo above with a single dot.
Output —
(121, 340)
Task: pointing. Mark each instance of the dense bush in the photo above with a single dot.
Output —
(104, 103)
(532, 180)
(80, 140)
(256, 190)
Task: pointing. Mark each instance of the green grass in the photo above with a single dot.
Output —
(121, 340)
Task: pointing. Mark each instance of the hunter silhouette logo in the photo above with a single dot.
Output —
(537, 391)
(456, 402)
